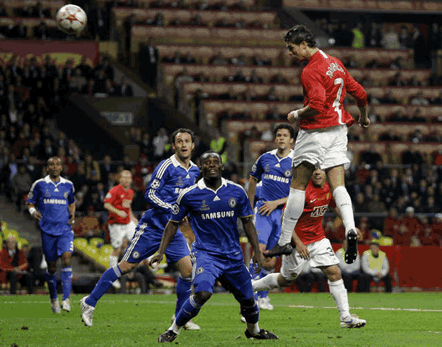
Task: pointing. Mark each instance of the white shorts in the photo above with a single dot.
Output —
(320, 252)
(324, 148)
(118, 232)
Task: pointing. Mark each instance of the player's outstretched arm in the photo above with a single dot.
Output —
(269, 206)
(169, 233)
(252, 235)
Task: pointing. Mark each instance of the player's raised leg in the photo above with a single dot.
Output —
(339, 293)
(336, 179)
(294, 208)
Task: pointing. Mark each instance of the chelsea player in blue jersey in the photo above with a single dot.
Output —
(51, 201)
(214, 205)
(274, 170)
(169, 178)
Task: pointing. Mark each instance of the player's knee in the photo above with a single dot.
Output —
(249, 310)
(286, 280)
(66, 259)
(333, 273)
(202, 297)
(126, 267)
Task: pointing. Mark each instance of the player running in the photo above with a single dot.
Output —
(122, 222)
(169, 178)
(273, 169)
(214, 204)
(322, 138)
(311, 245)
(51, 202)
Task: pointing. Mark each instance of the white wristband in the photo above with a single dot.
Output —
(296, 115)
(32, 210)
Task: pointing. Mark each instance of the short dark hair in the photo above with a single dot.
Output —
(182, 130)
(300, 33)
(285, 126)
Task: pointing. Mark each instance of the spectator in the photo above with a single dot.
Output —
(219, 145)
(391, 223)
(402, 237)
(390, 39)
(13, 266)
(343, 36)
(358, 37)
(430, 238)
(148, 64)
(421, 60)
(410, 221)
(375, 267)
(37, 266)
(159, 143)
(124, 89)
(349, 272)
(373, 37)
(419, 100)
(405, 38)
(21, 182)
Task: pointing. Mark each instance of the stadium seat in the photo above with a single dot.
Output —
(96, 242)
(106, 250)
(80, 243)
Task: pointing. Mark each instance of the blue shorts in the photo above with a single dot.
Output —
(269, 228)
(146, 241)
(233, 275)
(55, 246)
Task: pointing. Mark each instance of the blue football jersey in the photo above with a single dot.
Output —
(168, 180)
(52, 199)
(213, 216)
(275, 173)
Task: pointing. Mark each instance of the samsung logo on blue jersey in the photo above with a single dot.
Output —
(277, 178)
(55, 201)
(214, 215)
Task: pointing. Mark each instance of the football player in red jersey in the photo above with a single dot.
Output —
(312, 245)
(122, 222)
(322, 138)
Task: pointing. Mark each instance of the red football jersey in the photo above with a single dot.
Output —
(325, 83)
(121, 199)
(309, 227)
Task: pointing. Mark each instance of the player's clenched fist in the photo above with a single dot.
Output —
(293, 116)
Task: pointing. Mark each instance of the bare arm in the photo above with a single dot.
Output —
(304, 112)
(252, 190)
(71, 209)
(364, 121)
(132, 216)
(169, 233)
(108, 206)
(36, 214)
(252, 235)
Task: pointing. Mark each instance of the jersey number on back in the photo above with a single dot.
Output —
(337, 102)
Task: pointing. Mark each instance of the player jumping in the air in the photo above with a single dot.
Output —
(322, 138)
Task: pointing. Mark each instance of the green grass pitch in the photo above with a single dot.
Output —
(407, 319)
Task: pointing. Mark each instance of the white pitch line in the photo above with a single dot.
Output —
(235, 304)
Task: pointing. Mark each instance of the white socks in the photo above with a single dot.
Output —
(339, 293)
(266, 283)
(113, 261)
(175, 328)
(293, 210)
(343, 202)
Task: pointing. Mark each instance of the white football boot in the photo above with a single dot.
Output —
(55, 306)
(353, 321)
(189, 325)
(66, 305)
(265, 304)
(86, 312)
